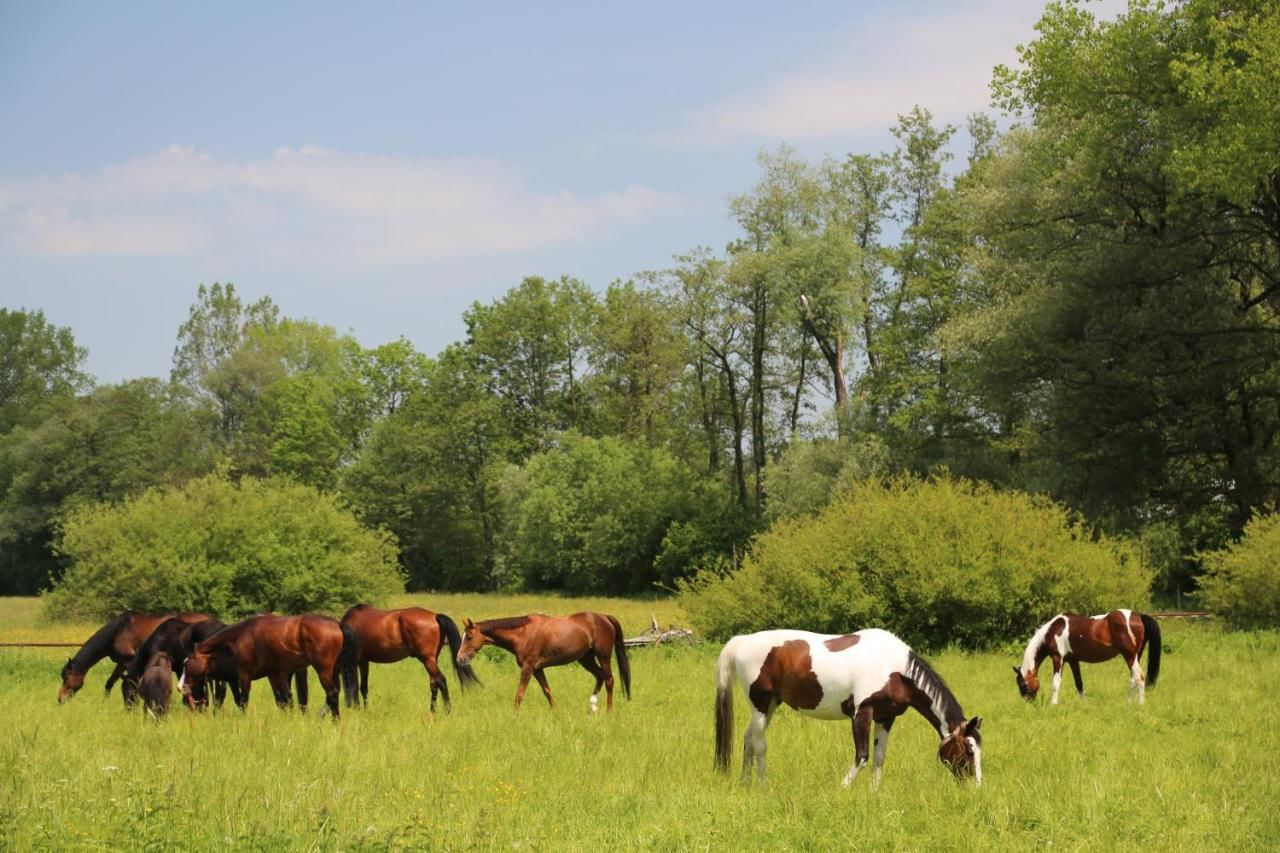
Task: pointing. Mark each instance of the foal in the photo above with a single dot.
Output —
(156, 685)
(1074, 639)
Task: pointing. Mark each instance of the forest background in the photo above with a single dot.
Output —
(1084, 309)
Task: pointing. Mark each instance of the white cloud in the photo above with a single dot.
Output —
(307, 204)
(865, 79)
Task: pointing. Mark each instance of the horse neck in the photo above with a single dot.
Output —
(932, 699)
(1036, 650)
(99, 645)
(503, 638)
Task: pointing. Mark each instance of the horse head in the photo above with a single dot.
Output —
(195, 673)
(473, 640)
(1028, 684)
(72, 680)
(961, 750)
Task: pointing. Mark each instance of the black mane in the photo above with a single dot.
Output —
(499, 624)
(919, 671)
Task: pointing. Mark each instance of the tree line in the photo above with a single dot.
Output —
(1083, 308)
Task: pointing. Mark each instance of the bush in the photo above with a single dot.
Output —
(590, 515)
(226, 548)
(1241, 582)
(936, 562)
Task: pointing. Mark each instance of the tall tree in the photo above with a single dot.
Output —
(39, 362)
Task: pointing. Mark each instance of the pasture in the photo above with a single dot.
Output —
(1197, 767)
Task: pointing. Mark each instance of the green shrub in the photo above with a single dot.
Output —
(226, 548)
(1241, 582)
(937, 562)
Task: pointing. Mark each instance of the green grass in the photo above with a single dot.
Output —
(1197, 767)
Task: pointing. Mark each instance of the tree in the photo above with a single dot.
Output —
(39, 362)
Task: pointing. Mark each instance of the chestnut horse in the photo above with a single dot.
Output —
(866, 677)
(1091, 639)
(388, 636)
(540, 641)
(119, 640)
(177, 639)
(276, 647)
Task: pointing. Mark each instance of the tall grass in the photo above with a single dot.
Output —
(1194, 768)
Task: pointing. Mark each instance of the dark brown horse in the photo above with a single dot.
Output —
(156, 684)
(119, 640)
(276, 647)
(388, 636)
(1074, 639)
(177, 639)
(540, 641)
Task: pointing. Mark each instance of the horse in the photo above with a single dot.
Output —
(539, 641)
(119, 640)
(178, 640)
(275, 647)
(388, 636)
(156, 685)
(1092, 639)
(867, 677)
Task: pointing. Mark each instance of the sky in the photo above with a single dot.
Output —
(380, 167)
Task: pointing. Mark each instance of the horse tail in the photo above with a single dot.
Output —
(347, 664)
(1152, 630)
(620, 650)
(724, 709)
(449, 630)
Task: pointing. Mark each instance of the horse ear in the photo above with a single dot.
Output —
(1017, 672)
(467, 623)
(973, 725)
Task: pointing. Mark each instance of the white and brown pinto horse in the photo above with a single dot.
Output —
(868, 677)
(1091, 639)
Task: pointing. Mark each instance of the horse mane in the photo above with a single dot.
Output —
(99, 645)
(1032, 655)
(228, 634)
(945, 704)
(499, 624)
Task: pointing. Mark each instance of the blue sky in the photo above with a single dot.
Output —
(379, 167)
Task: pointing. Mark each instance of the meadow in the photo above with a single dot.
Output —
(1197, 767)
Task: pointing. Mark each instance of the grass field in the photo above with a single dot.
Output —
(1197, 767)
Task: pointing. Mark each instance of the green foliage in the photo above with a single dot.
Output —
(591, 515)
(938, 562)
(1241, 582)
(227, 548)
(38, 362)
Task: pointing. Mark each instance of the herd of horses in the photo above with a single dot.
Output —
(869, 677)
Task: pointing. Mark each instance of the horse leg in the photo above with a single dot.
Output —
(861, 743)
(1136, 681)
(329, 682)
(882, 746)
(754, 745)
(280, 687)
(246, 682)
(1057, 677)
(542, 682)
(219, 693)
(588, 662)
(364, 682)
(525, 673)
(438, 683)
(113, 678)
(1075, 673)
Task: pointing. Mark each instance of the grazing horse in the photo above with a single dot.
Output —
(177, 639)
(387, 636)
(276, 647)
(1091, 639)
(156, 685)
(119, 640)
(540, 641)
(866, 677)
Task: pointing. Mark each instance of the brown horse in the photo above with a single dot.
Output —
(540, 641)
(388, 636)
(119, 640)
(276, 647)
(1092, 639)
